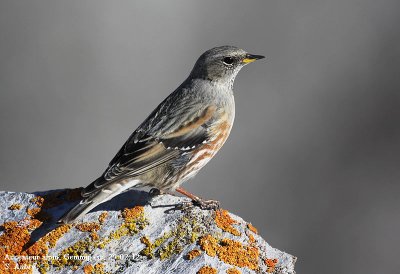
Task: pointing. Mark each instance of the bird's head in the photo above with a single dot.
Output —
(222, 63)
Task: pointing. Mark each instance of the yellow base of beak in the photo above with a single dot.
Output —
(248, 60)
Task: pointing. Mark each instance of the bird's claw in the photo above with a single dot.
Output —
(207, 204)
(203, 204)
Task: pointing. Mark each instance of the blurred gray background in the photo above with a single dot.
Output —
(313, 158)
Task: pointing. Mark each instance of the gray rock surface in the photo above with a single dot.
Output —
(132, 233)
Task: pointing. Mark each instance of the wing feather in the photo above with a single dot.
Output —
(156, 142)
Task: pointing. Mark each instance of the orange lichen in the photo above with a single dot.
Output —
(209, 244)
(33, 211)
(207, 270)
(53, 236)
(38, 200)
(15, 207)
(99, 268)
(8, 266)
(96, 269)
(103, 217)
(252, 240)
(9, 225)
(130, 214)
(252, 228)
(270, 264)
(94, 236)
(33, 224)
(234, 253)
(88, 227)
(12, 242)
(16, 235)
(52, 199)
(230, 251)
(193, 254)
(40, 247)
(56, 198)
(225, 222)
(14, 238)
(233, 271)
(88, 269)
(38, 214)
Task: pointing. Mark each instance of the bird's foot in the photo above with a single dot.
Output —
(203, 204)
(207, 204)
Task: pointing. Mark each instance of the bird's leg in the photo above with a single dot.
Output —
(203, 204)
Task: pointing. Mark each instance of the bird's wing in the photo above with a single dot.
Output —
(169, 130)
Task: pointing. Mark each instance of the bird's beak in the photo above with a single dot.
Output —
(251, 58)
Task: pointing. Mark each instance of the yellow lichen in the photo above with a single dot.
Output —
(15, 207)
(88, 227)
(207, 270)
(193, 254)
(134, 221)
(185, 232)
(233, 271)
(230, 251)
(225, 222)
(252, 228)
(148, 251)
(66, 257)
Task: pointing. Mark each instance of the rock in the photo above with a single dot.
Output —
(132, 233)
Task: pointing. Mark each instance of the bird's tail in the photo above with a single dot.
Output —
(100, 196)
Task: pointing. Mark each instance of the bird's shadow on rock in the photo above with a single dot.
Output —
(50, 215)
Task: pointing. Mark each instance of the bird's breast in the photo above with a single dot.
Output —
(218, 133)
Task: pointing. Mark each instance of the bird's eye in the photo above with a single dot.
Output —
(228, 60)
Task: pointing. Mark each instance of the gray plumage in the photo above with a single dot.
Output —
(179, 137)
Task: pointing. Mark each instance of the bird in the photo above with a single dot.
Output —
(178, 138)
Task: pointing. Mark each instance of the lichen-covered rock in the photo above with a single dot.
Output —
(130, 234)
